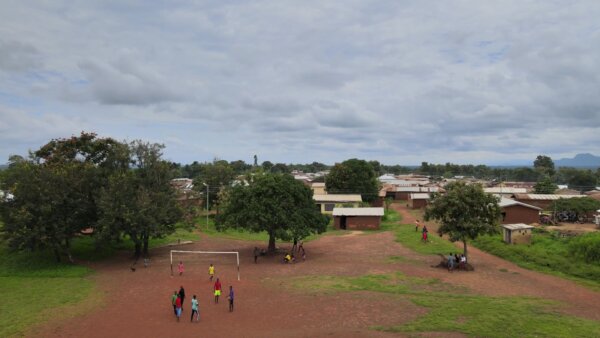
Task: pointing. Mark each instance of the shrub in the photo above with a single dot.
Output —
(586, 247)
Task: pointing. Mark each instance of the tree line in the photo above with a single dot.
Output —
(116, 190)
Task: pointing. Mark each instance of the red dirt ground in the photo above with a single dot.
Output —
(138, 303)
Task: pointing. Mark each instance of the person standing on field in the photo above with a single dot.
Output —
(182, 296)
(178, 307)
(256, 253)
(417, 224)
(211, 272)
(230, 297)
(173, 301)
(217, 289)
(180, 268)
(195, 309)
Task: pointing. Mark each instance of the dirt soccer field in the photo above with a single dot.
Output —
(137, 304)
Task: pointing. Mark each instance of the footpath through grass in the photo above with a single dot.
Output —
(451, 309)
(548, 252)
(408, 237)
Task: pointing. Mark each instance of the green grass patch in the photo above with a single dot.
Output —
(450, 309)
(407, 236)
(34, 288)
(548, 252)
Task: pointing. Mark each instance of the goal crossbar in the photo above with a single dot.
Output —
(236, 253)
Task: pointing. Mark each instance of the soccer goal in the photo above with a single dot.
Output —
(236, 253)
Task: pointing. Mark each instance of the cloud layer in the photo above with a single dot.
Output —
(401, 82)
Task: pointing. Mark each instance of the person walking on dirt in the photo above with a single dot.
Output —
(180, 268)
(195, 309)
(211, 272)
(217, 289)
(173, 301)
(256, 253)
(230, 297)
(178, 309)
(295, 246)
(182, 296)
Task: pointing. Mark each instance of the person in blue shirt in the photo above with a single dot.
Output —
(230, 297)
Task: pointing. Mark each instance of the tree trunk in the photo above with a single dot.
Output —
(271, 248)
(138, 250)
(465, 248)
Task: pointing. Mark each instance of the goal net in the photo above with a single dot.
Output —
(208, 255)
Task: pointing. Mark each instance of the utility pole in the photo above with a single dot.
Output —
(206, 185)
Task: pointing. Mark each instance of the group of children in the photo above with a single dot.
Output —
(424, 232)
(178, 298)
(290, 258)
(456, 260)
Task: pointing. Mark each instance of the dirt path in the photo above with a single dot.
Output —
(138, 303)
(498, 277)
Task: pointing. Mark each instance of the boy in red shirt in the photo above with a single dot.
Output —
(217, 289)
(178, 307)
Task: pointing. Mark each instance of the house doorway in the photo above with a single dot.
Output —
(343, 221)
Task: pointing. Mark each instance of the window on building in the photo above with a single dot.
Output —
(329, 206)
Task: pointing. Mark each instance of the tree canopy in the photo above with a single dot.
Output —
(580, 206)
(545, 186)
(353, 176)
(464, 212)
(216, 175)
(275, 203)
(544, 164)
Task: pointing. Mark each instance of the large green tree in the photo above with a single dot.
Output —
(353, 176)
(583, 180)
(581, 206)
(544, 165)
(464, 212)
(56, 190)
(139, 202)
(275, 203)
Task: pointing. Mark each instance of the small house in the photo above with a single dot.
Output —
(518, 212)
(542, 200)
(357, 218)
(517, 233)
(318, 188)
(418, 200)
(403, 193)
(326, 203)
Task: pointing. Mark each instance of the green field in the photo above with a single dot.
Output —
(452, 309)
(35, 289)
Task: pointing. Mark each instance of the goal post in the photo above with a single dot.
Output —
(236, 253)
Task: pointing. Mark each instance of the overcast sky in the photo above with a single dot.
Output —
(300, 81)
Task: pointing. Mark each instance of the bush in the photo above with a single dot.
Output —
(586, 247)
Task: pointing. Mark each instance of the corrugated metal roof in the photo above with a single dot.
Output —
(337, 198)
(417, 189)
(517, 226)
(505, 190)
(419, 196)
(318, 184)
(358, 212)
(507, 202)
(544, 197)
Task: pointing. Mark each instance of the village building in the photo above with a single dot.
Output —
(326, 203)
(418, 200)
(318, 188)
(403, 193)
(357, 218)
(518, 212)
(517, 233)
(505, 191)
(542, 201)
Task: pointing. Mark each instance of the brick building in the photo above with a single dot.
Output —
(357, 218)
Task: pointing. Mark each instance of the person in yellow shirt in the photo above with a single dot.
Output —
(211, 272)
(287, 258)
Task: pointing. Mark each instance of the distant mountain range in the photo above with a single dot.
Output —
(580, 161)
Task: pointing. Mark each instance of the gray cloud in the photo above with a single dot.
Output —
(401, 82)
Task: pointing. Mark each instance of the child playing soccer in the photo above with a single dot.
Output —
(217, 289)
(230, 297)
(180, 268)
(195, 309)
(211, 272)
(178, 307)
